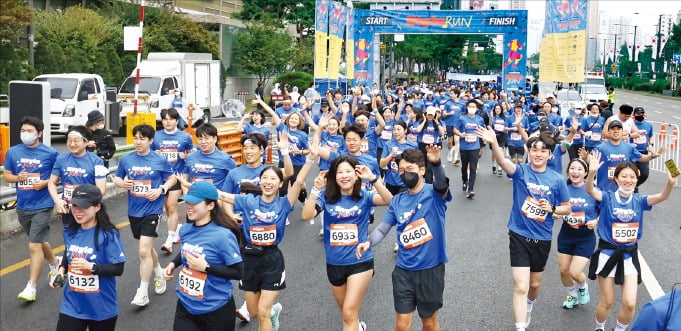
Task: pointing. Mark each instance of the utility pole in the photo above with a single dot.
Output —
(659, 36)
(634, 46)
(605, 51)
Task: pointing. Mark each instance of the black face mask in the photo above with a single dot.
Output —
(410, 179)
(640, 118)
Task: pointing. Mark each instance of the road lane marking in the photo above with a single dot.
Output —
(653, 287)
(55, 251)
(678, 118)
(657, 111)
(659, 103)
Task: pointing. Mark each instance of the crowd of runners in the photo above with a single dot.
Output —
(377, 148)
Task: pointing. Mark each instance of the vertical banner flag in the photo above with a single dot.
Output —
(320, 38)
(336, 30)
(562, 52)
(349, 43)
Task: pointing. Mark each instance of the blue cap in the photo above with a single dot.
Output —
(200, 191)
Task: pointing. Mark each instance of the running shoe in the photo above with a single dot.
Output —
(53, 269)
(140, 299)
(287, 221)
(464, 187)
(177, 234)
(395, 248)
(242, 313)
(159, 285)
(470, 195)
(167, 247)
(321, 232)
(500, 172)
(584, 296)
(274, 316)
(494, 170)
(457, 162)
(28, 294)
(362, 326)
(569, 302)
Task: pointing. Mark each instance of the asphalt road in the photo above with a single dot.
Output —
(478, 277)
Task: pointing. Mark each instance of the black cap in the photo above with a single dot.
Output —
(615, 123)
(94, 117)
(325, 103)
(639, 110)
(86, 195)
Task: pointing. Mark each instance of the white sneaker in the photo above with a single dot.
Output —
(140, 299)
(450, 156)
(242, 313)
(274, 316)
(53, 268)
(362, 326)
(177, 234)
(28, 294)
(287, 222)
(395, 248)
(159, 285)
(528, 318)
(321, 232)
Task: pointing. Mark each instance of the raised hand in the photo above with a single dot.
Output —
(320, 180)
(283, 143)
(595, 161)
(364, 172)
(433, 153)
(486, 135)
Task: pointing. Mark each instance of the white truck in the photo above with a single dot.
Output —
(72, 97)
(197, 75)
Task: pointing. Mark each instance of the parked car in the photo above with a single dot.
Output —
(593, 93)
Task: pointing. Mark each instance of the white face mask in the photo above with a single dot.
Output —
(28, 138)
(101, 126)
(554, 110)
(594, 115)
(471, 111)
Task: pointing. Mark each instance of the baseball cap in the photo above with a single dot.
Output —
(86, 195)
(615, 123)
(200, 191)
(639, 110)
(550, 95)
(365, 98)
(324, 103)
(431, 110)
(94, 117)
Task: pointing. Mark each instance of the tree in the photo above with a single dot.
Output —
(280, 12)
(14, 18)
(263, 51)
(303, 55)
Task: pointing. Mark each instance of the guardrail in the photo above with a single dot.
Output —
(665, 135)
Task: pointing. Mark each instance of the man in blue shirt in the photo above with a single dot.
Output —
(29, 165)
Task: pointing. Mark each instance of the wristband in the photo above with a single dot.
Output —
(315, 191)
(284, 152)
(309, 160)
(164, 189)
(373, 181)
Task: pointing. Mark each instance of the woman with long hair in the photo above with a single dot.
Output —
(92, 259)
(498, 124)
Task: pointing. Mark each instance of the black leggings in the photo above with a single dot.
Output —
(644, 172)
(469, 159)
(283, 191)
(70, 323)
(428, 176)
(221, 319)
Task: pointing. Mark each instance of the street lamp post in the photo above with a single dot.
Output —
(634, 46)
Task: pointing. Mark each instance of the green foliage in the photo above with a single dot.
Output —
(660, 84)
(14, 18)
(615, 82)
(301, 79)
(280, 12)
(303, 55)
(263, 51)
(643, 87)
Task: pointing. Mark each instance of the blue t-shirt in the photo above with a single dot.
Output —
(346, 223)
(429, 134)
(454, 109)
(515, 139)
(529, 186)
(612, 156)
(170, 144)
(264, 223)
(593, 130)
(584, 209)
(147, 172)
(621, 222)
(386, 133)
(467, 126)
(577, 138)
(88, 296)
(297, 139)
(242, 174)
(646, 131)
(213, 167)
(283, 113)
(75, 170)
(363, 159)
(657, 314)
(555, 162)
(392, 176)
(38, 163)
(420, 220)
(370, 141)
(201, 292)
(498, 124)
(264, 129)
(335, 143)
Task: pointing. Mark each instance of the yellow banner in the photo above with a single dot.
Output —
(335, 46)
(562, 57)
(350, 59)
(320, 54)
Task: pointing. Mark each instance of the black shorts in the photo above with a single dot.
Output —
(450, 132)
(264, 272)
(144, 226)
(222, 318)
(418, 289)
(516, 152)
(501, 140)
(338, 274)
(526, 252)
(175, 187)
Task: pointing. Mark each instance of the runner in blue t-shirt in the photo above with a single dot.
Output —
(93, 257)
(592, 128)
(74, 168)
(620, 227)
(208, 163)
(174, 145)
(298, 147)
(391, 153)
(516, 144)
(419, 217)
(643, 143)
(29, 165)
(263, 224)
(209, 259)
(146, 176)
(453, 108)
(498, 124)
(663, 313)
(538, 194)
(346, 208)
(466, 128)
(576, 240)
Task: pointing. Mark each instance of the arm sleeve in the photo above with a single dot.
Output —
(233, 271)
(110, 269)
(440, 181)
(379, 233)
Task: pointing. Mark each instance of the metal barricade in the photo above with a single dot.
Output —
(241, 96)
(665, 135)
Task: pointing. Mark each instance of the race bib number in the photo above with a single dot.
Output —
(141, 187)
(611, 172)
(577, 136)
(412, 138)
(641, 140)
(263, 235)
(624, 232)
(68, 191)
(27, 184)
(575, 219)
(343, 234)
(532, 210)
(471, 138)
(192, 282)
(83, 281)
(415, 234)
(499, 127)
(428, 139)
(170, 154)
(364, 147)
(516, 136)
(386, 135)
(196, 179)
(595, 136)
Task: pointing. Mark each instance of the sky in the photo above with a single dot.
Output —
(646, 19)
